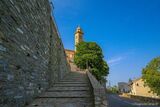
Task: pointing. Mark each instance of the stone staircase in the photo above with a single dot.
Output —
(74, 67)
(73, 91)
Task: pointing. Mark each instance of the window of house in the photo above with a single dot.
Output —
(137, 84)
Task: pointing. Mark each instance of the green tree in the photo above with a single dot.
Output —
(113, 90)
(151, 75)
(89, 55)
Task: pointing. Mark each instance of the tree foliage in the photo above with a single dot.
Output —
(151, 75)
(89, 55)
(113, 90)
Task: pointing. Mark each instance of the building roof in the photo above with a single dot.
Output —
(69, 50)
(133, 81)
(137, 79)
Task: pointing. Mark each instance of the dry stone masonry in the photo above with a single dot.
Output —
(74, 90)
(32, 56)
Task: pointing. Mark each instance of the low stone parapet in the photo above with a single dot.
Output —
(155, 101)
(99, 92)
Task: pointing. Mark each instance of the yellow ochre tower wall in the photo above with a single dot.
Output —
(78, 36)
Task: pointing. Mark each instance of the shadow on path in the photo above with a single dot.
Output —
(116, 101)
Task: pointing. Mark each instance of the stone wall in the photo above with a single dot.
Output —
(99, 91)
(32, 56)
(149, 100)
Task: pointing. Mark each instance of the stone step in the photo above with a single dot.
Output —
(69, 89)
(70, 79)
(71, 82)
(75, 76)
(74, 80)
(72, 91)
(62, 102)
(71, 85)
(64, 94)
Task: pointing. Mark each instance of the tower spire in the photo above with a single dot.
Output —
(78, 36)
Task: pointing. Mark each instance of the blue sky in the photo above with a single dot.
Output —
(127, 30)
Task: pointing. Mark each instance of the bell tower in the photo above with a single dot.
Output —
(78, 36)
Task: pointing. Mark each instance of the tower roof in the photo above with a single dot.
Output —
(79, 30)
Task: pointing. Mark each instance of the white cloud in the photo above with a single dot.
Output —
(116, 60)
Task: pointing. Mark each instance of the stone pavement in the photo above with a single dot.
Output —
(73, 91)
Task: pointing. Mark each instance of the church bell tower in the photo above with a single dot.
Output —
(78, 36)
